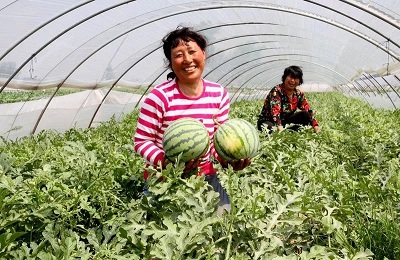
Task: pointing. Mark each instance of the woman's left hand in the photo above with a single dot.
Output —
(191, 165)
(237, 165)
(191, 168)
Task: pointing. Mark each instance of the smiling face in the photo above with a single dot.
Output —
(187, 62)
(291, 83)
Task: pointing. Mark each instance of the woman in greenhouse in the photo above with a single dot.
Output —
(283, 102)
(187, 95)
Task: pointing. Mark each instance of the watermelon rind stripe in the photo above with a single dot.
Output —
(184, 143)
(236, 129)
(254, 140)
(178, 133)
(184, 125)
(225, 130)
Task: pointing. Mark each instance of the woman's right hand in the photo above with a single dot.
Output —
(237, 165)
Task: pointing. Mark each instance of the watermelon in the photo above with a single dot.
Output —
(236, 139)
(187, 137)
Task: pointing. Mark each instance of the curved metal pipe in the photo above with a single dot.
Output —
(10, 4)
(367, 10)
(355, 20)
(43, 25)
(394, 90)
(370, 76)
(304, 62)
(312, 16)
(56, 37)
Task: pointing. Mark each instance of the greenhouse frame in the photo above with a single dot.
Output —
(107, 54)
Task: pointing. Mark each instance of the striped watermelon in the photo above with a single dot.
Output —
(236, 139)
(186, 136)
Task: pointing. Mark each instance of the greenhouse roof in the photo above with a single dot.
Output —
(102, 47)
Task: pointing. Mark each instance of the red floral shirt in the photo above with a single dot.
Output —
(278, 106)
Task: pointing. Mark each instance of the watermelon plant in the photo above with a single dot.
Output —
(25, 95)
(330, 195)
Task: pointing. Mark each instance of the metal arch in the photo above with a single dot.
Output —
(280, 9)
(365, 79)
(212, 27)
(241, 36)
(105, 96)
(237, 46)
(245, 53)
(296, 60)
(246, 43)
(56, 37)
(223, 63)
(276, 73)
(313, 16)
(367, 10)
(331, 22)
(355, 20)
(374, 90)
(394, 90)
(43, 25)
(317, 65)
(8, 5)
(242, 64)
(259, 73)
(249, 61)
(355, 81)
(263, 89)
(262, 57)
(248, 80)
(370, 76)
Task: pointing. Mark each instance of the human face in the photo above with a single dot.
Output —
(187, 61)
(291, 83)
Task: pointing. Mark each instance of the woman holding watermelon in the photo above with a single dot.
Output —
(187, 95)
(286, 104)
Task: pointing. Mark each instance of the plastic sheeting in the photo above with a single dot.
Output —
(344, 45)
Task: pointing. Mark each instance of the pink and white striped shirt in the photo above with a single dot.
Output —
(165, 104)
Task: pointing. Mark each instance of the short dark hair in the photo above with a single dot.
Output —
(171, 75)
(294, 72)
(186, 34)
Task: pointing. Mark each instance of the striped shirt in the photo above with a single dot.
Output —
(165, 104)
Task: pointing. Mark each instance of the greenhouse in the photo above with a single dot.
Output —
(74, 75)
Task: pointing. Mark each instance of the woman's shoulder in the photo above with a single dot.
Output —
(276, 90)
(164, 87)
(162, 91)
(211, 83)
(213, 87)
(299, 91)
